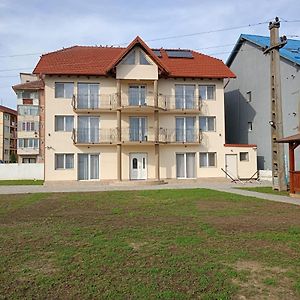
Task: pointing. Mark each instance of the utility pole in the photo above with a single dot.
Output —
(278, 164)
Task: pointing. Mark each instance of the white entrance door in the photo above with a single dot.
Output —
(138, 166)
(231, 165)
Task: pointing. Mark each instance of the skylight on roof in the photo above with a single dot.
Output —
(179, 53)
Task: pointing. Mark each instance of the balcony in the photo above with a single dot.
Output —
(94, 136)
(138, 102)
(179, 136)
(171, 103)
(139, 136)
(94, 103)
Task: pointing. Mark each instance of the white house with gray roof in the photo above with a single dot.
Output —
(247, 98)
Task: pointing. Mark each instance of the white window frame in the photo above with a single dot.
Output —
(64, 89)
(65, 123)
(64, 161)
(206, 87)
(185, 165)
(206, 129)
(207, 159)
(32, 143)
(246, 156)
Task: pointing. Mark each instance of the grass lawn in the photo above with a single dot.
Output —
(164, 244)
(264, 189)
(21, 182)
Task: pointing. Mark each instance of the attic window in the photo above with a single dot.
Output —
(143, 59)
(129, 59)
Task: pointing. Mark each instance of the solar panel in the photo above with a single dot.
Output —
(157, 52)
(179, 53)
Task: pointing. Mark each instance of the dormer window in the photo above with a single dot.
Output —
(129, 59)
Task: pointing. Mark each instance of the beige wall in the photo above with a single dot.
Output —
(61, 142)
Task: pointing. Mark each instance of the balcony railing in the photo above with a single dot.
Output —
(138, 135)
(180, 136)
(171, 102)
(94, 102)
(94, 136)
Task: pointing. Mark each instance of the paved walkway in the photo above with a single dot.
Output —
(218, 184)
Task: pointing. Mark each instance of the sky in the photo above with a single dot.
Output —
(29, 28)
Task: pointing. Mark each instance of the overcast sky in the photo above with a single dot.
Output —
(38, 26)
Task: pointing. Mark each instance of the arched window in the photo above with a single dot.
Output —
(134, 163)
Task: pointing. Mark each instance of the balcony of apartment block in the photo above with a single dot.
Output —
(82, 103)
(28, 150)
(180, 136)
(179, 103)
(94, 136)
(139, 136)
(142, 101)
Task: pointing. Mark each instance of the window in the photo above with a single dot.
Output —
(6, 129)
(207, 123)
(64, 161)
(248, 96)
(184, 96)
(129, 59)
(137, 95)
(64, 89)
(88, 95)
(185, 165)
(28, 126)
(244, 156)
(64, 123)
(28, 160)
(138, 129)
(88, 129)
(28, 110)
(207, 92)
(208, 159)
(250, 127)
(185, 129)
(27, 95)
(6, 117)
(28, 143)
(142, 58)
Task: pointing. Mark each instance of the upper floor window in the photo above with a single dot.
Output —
(207, 123)
(6, 117)
(28, 143)
(31, 110)
(64, 89)
(28, 126)
(64, 123)
(185, 129)
(27, 95)
(88, 95)
(130, 58)
(207, 92)
(143, 59)
(184, 96)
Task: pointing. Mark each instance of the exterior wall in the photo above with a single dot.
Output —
(21, 171)
(257, 80)
(1, 136)
(61, 142)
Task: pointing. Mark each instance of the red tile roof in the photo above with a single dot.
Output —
(85, 60)
(8, 110)
(31, 85)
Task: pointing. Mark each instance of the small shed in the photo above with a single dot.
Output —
(294, 142)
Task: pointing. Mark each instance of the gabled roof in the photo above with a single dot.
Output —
(86, 60)
(7, 110)
(138, 42)
(30, 85)
(291, 51)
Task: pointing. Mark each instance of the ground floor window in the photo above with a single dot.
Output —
(185, 165)
(208, 159)
(88, 166)
(28, 160)
(64, 161)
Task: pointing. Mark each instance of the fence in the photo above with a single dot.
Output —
(21, 171)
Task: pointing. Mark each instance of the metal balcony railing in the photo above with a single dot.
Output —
(138, 135)
(94, 136)
(179, 135)
(174, 102)
(94, 102)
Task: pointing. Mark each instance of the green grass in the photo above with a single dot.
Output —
(164, 244)
(265, 190)
(21, 182)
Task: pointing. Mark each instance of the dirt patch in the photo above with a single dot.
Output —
(263, 282)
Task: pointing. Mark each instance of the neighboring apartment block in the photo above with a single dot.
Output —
(8, 135)
(137, 113)
(247, 98)
(30, 106)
